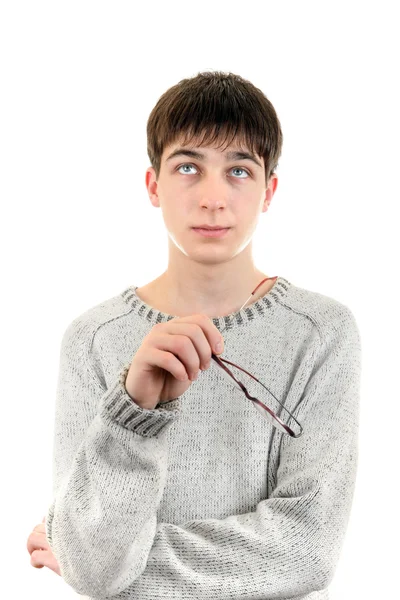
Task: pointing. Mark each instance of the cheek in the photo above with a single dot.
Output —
(248, 223)
(176, 214)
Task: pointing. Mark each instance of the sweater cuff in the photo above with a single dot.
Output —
(116, 404)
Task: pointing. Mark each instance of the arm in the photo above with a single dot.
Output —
(290, 545)
(109, 471)
(287, 547)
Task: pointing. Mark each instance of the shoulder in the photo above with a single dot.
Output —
(81, 331)
(331, 317)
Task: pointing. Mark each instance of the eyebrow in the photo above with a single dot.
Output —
(232, 155)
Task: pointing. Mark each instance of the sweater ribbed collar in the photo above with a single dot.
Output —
(223, 323)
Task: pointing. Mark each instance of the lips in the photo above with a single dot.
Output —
(212, 232)
(209, 228)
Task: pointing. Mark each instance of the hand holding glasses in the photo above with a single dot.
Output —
(169, 359)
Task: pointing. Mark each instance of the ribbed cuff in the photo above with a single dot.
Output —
(119, 406)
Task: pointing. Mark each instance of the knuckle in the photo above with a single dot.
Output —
(205, 319)
(169, 359)
(182, 342)
(157, 329)
(196, 328)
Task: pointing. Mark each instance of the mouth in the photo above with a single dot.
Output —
(211, 232)
(205, 226)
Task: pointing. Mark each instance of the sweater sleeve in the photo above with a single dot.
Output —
(109, 472)
(290, 545)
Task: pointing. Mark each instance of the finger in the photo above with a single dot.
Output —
(45, 558)
(177, 354)
(197, 354)
(168, 361)
(36, 560)
(37, 541)
(51, 562)
(210, 331)
(204, 337)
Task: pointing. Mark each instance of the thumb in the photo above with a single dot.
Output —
(44, 519)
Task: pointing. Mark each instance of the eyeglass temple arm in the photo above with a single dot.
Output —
(220, 362)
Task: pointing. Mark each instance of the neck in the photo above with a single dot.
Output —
(204, 294)
(206, 282)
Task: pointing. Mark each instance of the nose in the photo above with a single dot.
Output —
(213, 194)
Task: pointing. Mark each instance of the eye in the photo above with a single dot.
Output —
(240, 169)
(233, 168)
(185, 165)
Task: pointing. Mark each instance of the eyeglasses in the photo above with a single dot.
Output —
(278, 422)
(268, 401)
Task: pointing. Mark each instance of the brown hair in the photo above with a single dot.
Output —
(218, 105)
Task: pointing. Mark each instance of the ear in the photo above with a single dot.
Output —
(151, 184)
(270, 191)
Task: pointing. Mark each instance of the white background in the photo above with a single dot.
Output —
(79, 80)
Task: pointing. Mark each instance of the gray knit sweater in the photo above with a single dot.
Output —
(202, 498)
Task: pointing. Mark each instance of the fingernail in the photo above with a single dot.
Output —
(218, 347)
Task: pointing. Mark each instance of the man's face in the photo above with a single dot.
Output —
(216, 188)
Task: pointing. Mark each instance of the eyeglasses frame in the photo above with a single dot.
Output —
(220, 362)
(287, 429)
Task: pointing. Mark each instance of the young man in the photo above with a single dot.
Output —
(170, 487)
